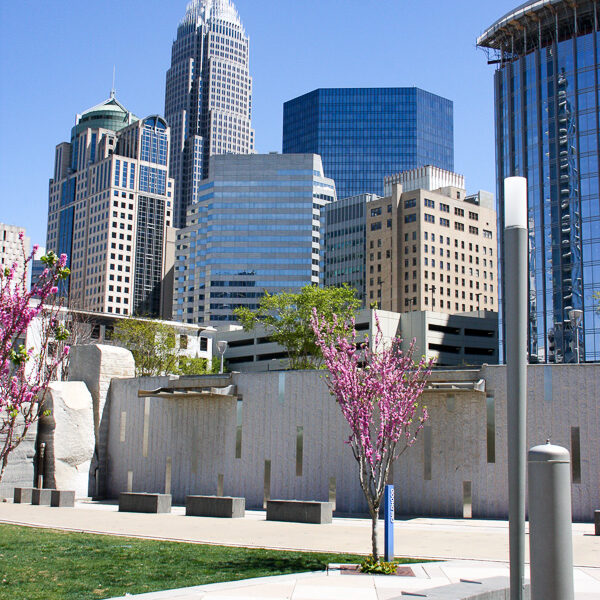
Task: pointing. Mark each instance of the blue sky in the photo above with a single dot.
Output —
(57, 57)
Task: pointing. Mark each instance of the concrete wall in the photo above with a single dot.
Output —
(19, 471)
(98, 367)
(185, 444)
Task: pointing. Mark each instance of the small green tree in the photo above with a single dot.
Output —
(153, 345)
(197, 366)
(288, 316)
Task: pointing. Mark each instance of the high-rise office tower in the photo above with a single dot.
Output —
(547, 57)
(345, 242)
(431, 248)
(364, 134)
(255, 228)
(11, 250)
(110, 210)
(208, 98)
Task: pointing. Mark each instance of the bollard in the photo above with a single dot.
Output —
(550, 531)
(40, 473)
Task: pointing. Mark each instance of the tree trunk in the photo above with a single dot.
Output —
(374, 519)
(3, 466)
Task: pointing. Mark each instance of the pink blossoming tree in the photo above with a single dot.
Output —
(25, 373)
(378, 389)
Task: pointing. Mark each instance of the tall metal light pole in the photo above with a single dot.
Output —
(515, 276)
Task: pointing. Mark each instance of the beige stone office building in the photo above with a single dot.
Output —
(430, 246)
(110, 210)
(11, 250)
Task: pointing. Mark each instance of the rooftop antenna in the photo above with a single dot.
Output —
(113, 91)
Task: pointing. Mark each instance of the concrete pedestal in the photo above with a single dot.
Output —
(41, 497)
(215, 506)
(299, 511)
(144, 503)
(62, 498)
(22, 495)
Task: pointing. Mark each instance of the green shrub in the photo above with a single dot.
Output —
(370, 565)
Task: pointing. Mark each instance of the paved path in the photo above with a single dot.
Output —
(483, 544)
(335, 586)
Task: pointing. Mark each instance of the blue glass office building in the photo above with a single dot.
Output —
(255, 228)
(364, 134)
(547, 105)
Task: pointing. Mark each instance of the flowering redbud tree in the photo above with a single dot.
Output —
(25, 373)
(378, 388)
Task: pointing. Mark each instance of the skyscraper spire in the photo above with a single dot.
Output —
(208, 98)
(113, 91)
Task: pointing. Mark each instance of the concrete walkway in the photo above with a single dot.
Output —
(334, 585)
(476, 548)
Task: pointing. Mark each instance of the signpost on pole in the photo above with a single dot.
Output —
(388, 515)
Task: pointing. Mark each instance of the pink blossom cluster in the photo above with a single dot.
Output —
(25, 374)
(377, 388)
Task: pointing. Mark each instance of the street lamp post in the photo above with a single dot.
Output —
(221, 349)
(515, 273)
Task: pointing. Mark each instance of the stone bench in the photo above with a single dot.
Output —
(22, 495)
(215, 506)
(41, 496)
(143, 502)
(299, 511)
(62, 498)
(46, 497)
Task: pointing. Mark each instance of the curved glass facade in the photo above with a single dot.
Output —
(547, 124)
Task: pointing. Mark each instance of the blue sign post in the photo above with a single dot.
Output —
(388, 515)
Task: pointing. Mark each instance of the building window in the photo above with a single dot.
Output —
(459, 226)
(429, 218)
(410, 218)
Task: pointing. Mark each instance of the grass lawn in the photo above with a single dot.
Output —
(43, 564)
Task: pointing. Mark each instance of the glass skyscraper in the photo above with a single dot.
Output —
(364, 134)
(547, 105)
(208, 97)
(255, 228)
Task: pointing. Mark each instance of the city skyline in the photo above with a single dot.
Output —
(291, 53)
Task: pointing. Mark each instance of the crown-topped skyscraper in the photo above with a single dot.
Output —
(208, 98)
